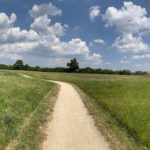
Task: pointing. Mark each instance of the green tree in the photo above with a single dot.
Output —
(73, 65)
(18, 65)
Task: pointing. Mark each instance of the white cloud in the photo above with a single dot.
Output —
(16, 35)
(13, 40)
(94, 12)
(45, 9)
(129, 19)
(58, 29)
(10, 56)
(41, 24)
(124, 61)
(6, 21)
(75, 46)
(99, 41)
(138, 57)
(132, 22)
(129, 43)
(42, 40)
(96, 58)
(18, 48)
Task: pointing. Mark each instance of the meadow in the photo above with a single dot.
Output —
(125, 98)
(22, 110)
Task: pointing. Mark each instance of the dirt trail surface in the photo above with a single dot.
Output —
(25, 76)
(71, 127)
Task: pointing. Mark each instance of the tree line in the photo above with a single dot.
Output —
(72, 67)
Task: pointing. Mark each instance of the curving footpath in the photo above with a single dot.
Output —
(71, 127)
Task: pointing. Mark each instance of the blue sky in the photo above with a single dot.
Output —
(99, 33)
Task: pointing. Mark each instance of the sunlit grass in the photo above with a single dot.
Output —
(126, 98)
(20, 98)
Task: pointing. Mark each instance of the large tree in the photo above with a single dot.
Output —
(73, 65)
(18, 65)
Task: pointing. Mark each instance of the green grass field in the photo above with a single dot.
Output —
(126, 98)
(22, 110)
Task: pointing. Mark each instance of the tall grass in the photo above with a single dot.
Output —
(20, 98)
(126, 98)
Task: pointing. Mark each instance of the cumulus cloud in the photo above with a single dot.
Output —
(99, 41)
(13, 40)
(58, 29)
(129, 43)
(138, 57)
(42, 39)
(15, 34)
(94, 12)
(96, 42)
(132, 23)
(129, 19)
(74, 46)
(96, 58)
(6, 21)
(41, 24)
(45, 9)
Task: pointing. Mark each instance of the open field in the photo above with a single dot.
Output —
(22, 110)
(126, 98)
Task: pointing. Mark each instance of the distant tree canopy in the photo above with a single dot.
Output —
(18, 65)
(73, 65)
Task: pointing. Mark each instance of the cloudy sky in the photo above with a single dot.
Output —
(112, 34)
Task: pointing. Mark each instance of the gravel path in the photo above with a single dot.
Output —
(72, 128)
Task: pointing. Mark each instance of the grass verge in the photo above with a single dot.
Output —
(125, 101)
(33, 135)
(116, 135)
(24, 105)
